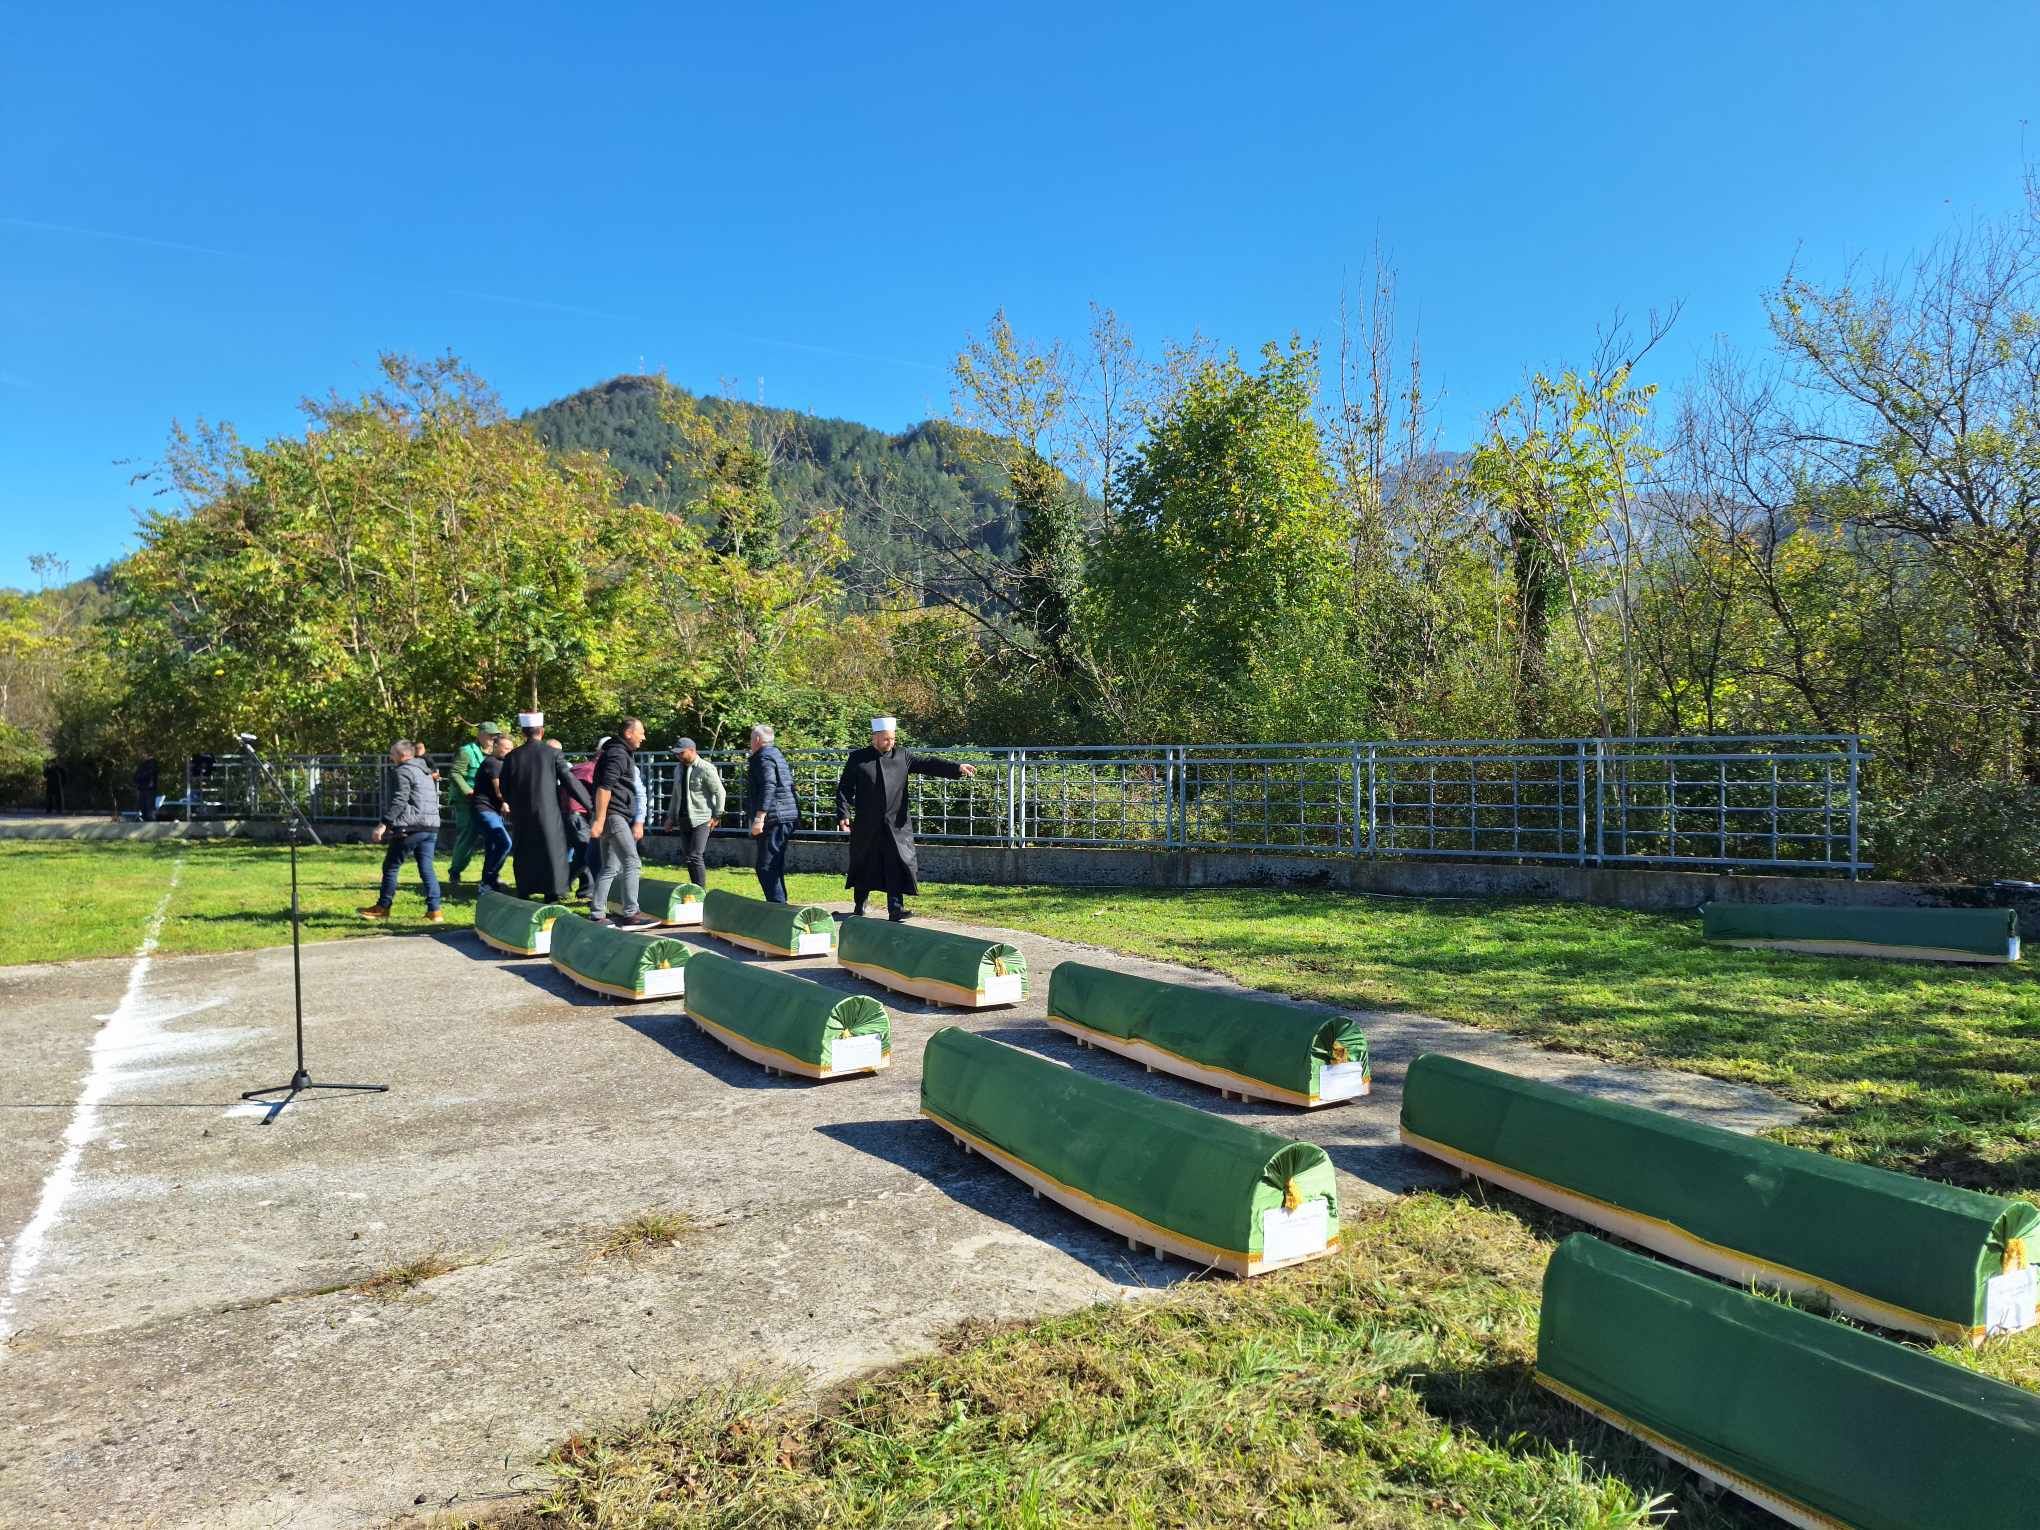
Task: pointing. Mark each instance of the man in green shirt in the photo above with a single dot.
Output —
(467, 828)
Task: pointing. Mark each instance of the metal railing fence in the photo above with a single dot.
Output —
(1789, 801)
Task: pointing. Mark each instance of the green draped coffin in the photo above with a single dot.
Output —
(788, 1023)
(1159, 1173)
(1823, 1424)
(515, 925)
(1888, 1248)
(666, 901)
(969, 970)
(1935, 934)
(622, 963)
(1231, 1041)
(777, 929)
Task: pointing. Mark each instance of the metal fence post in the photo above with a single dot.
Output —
(1373, 801)
(1600, 800)
(1580, 776)
(1359, 786)
(1855, 807)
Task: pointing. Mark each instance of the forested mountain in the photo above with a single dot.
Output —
(891, 489)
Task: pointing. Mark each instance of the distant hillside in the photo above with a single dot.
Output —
(884, 484)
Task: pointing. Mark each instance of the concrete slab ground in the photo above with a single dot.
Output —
(179, 1350)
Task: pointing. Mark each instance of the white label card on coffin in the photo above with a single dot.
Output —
(665, 982)
(1292, 1234)
(1342, 1081)
(847, 1052)
(814, 943)
(2010, 1301)
(1003, 988)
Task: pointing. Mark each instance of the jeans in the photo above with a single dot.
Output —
(772, 858)
(694, 853)
(495, 845)
(620, 862)
(420, 845)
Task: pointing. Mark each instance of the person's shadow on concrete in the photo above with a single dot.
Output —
(925, 1149)
(685, 1040)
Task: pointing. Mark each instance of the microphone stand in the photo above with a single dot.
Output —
(302, 1079)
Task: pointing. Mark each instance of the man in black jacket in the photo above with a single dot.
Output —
(615, 827)
(871, 807)
(774, 810)
(410, 822)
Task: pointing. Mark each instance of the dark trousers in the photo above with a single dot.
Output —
(895, 904)
(419, 847)
(772, 858)
(581, 852)
(694, 853)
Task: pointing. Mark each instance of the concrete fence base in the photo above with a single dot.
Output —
(995, 865)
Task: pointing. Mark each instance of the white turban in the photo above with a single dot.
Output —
(885, 725)
(531, 719)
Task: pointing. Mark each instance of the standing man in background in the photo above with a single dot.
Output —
(146, 776)
(617, 794)
(698, 801)
(493, 813)
(871, 807)
(535, 779)
(467, 828)
(410, 822)
(774, 810)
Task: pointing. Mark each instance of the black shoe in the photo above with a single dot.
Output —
(633, 922)
(899, 916)
(855, 913)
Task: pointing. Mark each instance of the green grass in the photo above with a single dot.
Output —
(1388, 1386)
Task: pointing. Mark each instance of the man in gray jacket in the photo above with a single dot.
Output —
(698, 800)
(410, 822)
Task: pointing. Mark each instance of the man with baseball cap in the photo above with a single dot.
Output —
(698, 801)
(872, 808)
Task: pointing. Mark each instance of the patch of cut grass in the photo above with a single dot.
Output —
(645, 1233)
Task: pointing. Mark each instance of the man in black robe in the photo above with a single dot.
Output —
(871, 807)
(534, 775)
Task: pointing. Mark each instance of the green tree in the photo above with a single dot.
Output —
(1219, 585)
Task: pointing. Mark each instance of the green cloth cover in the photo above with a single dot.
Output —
(915, 952)
(510, 922)
(776, 1009)
(777, 925)
(1276, 1044)
(1985, 931)
(1833, 1419)
(1912, 1244)
(616, 960)
(1199, 1176)
(657, 898)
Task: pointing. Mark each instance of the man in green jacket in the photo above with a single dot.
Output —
(467, 828)
(698, 800)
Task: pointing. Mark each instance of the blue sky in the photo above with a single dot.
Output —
(217, 210)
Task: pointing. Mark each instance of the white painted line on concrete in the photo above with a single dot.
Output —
(108, 1046)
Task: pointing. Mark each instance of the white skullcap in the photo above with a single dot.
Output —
(885, 725)
(531, 719)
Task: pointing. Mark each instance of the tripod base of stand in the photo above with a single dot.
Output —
(301, 1081)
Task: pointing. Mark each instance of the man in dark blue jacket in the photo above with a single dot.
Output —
(769, 799)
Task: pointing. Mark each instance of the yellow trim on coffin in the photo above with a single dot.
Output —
(1873, 948)
(924, 988)
(1196, 1072)
(746, 1047)
(1790, 1510)
(612, 989)
(1673, 1241)
(752, 943)
(1127, 1223)
(509, 950)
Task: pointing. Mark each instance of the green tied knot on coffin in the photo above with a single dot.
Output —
(1825, 1421)
(516, 925)
(1285, 1049)
(1904, 1252)
(1206, 1180)
(791, 1016)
